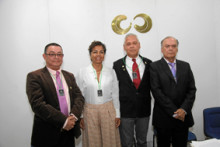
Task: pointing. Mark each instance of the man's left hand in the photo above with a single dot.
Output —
(180, 114)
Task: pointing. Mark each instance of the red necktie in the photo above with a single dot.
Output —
(136, 74)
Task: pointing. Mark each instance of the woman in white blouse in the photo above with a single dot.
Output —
(101, 115)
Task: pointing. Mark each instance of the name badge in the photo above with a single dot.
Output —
(134, 74)
(99, 92)
(61, 92)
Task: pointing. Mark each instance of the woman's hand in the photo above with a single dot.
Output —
(117, 122)
(82, 123)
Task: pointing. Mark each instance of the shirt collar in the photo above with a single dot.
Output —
(53, 72)
(130, 59)
(168, 61)
(92, 69)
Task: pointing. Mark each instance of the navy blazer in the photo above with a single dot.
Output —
(133, 102)
(48, 119)
(170, 95)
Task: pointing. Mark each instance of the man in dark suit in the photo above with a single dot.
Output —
(173, 88)
(56, 101)
(134, 93)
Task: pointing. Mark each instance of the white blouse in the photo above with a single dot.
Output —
(88, 84)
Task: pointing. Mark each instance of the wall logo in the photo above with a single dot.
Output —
(142, 29)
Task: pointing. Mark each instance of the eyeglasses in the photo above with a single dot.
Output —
(54, 55)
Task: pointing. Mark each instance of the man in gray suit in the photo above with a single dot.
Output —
(56, 101)
(173, 88)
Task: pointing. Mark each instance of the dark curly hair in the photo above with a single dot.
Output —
(94, 44)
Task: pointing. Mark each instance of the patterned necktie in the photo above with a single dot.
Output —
(136, 74)
(61, 95)
(173, 70)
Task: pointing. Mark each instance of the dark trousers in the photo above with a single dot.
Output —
(65, 140)
(175, 136)
(134, 127)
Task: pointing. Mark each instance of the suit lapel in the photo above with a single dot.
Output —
(179, 69)
(68, 82)
(124, 70)
(166, 69)
(48, 79)
(145, 70)
(66, 77)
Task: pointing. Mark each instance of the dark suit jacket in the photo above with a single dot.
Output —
(48, 119)
(133, 102)
(170, 95)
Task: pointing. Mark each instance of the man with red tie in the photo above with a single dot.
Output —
(134, 93)
(56, 101)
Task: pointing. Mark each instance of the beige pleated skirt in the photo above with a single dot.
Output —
(100, 130)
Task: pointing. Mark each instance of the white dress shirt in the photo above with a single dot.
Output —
(129, 64)
(88, 84)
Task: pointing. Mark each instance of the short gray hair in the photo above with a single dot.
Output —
(130, 34)
(169, 37)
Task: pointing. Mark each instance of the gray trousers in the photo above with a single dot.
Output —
(134, 127)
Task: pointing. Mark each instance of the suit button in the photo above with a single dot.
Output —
(137, 93)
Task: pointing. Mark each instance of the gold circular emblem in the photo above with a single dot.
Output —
(116, 25)
(142, 29)
(147, 23)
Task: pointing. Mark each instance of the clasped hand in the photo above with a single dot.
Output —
(180, 114)
(71, 120)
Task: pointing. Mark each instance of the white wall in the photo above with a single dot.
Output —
(217, 42)
(26, 26)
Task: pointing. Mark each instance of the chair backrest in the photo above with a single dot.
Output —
(212, 122)
(191, 136)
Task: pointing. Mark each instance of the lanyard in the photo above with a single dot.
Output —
(130, 67)
(99, 82)
(59, 85)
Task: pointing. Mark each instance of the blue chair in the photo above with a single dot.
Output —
(212, 122)
(191, 137)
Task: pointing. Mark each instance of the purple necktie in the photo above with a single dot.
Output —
(173, 69)
(61, 95)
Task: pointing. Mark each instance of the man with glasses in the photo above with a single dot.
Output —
(56, 101)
